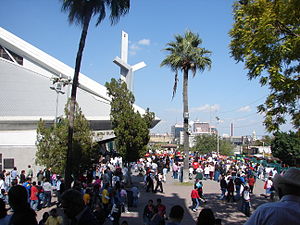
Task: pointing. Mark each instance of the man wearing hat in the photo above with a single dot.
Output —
(285, 211)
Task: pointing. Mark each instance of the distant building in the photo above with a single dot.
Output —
(175, 132)
(201, 127)
(161, 138)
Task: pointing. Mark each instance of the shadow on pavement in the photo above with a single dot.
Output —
(135, 217)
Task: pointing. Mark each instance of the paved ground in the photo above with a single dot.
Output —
(176, 193)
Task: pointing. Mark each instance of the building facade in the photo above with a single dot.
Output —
(27, 95)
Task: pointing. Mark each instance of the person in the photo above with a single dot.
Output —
(149, 183)
(22, 176)
(105, 198)
(34, 196)
(195, 199)
(44, 218)
(156, 218)
(176, 215)
(135, 195)
(124, 222)
(4, 218)
(223, 186)
(158, 179)
(54, 219)
(230, 191)
(161, 209)
(238, 182)
(47, 193)
(268, 186)
(206, 217)
(75, 210)
(251, 182)
(29, 173)
(285, 211)
(18, 201)
(148, 212)
(246, 201)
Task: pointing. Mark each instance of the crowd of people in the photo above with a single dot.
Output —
(106, 191)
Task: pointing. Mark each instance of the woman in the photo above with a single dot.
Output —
(18, 200)
(206, 217)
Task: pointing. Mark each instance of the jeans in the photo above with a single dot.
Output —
(246, 208)
(223, 193)
(47, 199)
(135, 201)
(238, 190)
(195, 203)
(34, 204)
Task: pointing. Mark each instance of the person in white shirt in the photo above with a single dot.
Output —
(246, 201)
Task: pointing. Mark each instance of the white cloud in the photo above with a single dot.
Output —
(206, 108)
(134, 47)
(144, 42)
(246, 108)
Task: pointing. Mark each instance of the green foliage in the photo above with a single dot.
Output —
(208, 143)
(79, 9)
(286, 147)
(266, 36)
(185, 53)
(131, 129)
(52, 144)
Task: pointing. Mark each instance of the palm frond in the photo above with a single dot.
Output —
(175, 84)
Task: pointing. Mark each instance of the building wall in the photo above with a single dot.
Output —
(22, 156)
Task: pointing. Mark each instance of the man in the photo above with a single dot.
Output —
(158, 179)
(176, 215)
(18, 201)
(161, 209)
(29, 172)
(285, 211)
(34, 199)
(47, 193)
(75, 210)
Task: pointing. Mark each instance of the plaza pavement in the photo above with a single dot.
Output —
(176, 193)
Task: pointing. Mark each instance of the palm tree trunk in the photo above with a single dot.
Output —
(69, 160)
(185, 125)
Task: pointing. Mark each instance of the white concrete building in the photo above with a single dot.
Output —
(26, 75)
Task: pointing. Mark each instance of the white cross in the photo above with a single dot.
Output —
(127, 70)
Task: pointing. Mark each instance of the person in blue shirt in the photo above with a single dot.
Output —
(285, 211)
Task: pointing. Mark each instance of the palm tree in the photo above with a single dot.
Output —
(80, 12)
(186, 55)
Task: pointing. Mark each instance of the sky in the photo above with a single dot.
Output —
(224, 91)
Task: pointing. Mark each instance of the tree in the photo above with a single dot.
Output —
(266, 37)
(131, 129)
(52, 144)
(286, 147)
(208, 143)
(81, 12)
(186, 55)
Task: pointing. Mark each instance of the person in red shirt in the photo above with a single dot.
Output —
(34, 193)
(251, 182)
(195, 165)
(161, 208)
(195, 199)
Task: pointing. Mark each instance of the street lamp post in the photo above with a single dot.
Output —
(57, 85)
(218, 140)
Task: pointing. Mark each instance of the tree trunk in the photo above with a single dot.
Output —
(185, 125)
(69, 160)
